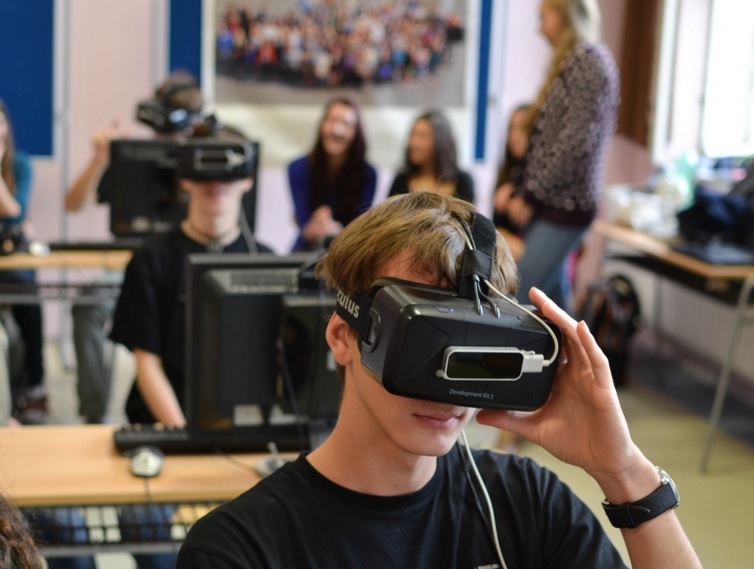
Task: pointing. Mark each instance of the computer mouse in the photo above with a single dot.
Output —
(147, 461)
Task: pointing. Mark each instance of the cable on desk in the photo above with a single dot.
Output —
(232, 460)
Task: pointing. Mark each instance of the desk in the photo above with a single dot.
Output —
(97, 293)
(106, 259)
(79, 466)
(730, 283)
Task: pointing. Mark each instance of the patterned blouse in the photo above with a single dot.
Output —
(563, 175)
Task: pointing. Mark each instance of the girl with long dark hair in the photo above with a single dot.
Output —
(334, 183)
(431, 161)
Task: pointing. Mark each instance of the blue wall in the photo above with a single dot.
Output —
(26, 72)
(186, 36)
(27, 63)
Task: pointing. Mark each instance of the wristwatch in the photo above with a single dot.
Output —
(633, 514)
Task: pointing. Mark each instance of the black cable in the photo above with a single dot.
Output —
(248, 236)
(288, 385)
(232, 460)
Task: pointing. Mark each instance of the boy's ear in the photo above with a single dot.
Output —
(340, 338)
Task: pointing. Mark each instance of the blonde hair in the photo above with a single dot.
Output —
(581, 23)
(419, 227)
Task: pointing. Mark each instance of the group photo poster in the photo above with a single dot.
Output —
(270, 68)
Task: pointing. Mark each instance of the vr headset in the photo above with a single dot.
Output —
(164, 117)
(216, 158)
(441, 345)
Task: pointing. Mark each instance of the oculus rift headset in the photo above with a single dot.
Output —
(216, 158)
(441, 345)
(164, 117)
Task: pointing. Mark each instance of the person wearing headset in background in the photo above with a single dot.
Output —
(334, 183)
(176, 106)
(431, 161)
(29, 397)
(569, 125)
(391, 487)
(149, 316)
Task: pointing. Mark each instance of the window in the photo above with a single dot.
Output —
(728, 112)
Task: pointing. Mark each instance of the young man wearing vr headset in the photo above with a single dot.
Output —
(391, 486)
(149, 316)
(174, 109)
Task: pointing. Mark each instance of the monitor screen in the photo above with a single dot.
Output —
(142, 188)
(240, 309)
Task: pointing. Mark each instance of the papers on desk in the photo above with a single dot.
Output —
(635, 207)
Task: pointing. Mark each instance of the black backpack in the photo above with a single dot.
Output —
(612, 312)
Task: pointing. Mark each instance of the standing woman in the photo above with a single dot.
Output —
(334, 183)
(570, 126)
(30, 399)
(431, 161)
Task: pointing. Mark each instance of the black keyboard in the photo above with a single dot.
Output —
(717, 253)
(177, 440)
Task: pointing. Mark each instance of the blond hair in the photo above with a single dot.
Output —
(581, 23)
(420, 228)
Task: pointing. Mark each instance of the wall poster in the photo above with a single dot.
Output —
(270, 67)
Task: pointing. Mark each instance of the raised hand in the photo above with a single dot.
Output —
(582, 422)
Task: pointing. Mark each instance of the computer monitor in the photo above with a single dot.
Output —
(311, 382)
(240, 307)
(143, 190)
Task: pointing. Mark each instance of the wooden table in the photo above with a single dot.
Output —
(36, 293)
(77, 468)
(661, 250)
(731, 283)
(79, 465)
(105, 259)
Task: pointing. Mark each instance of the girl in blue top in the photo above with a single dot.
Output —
(30, 398)
(334, 183)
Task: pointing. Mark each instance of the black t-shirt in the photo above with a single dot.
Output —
(150, 314)
(298, 518)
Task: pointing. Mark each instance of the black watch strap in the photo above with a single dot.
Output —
(633, 514)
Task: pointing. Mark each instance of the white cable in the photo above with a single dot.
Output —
(523, 309)
(537, 318)
(491, 510)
